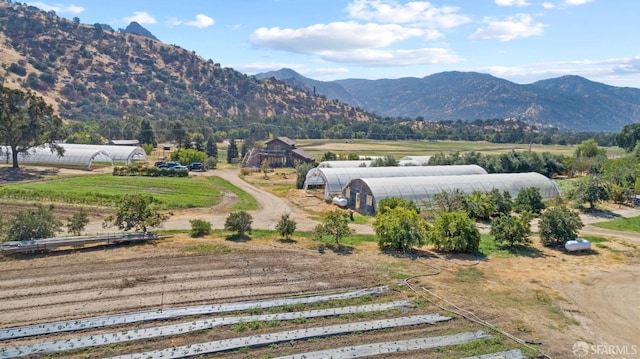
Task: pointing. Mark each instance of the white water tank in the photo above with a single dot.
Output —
(579, 244)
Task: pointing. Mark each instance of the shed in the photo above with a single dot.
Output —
(334, 179)
(364, 194)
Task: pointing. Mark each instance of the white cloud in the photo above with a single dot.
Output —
(381, 57)
(577, 2)
(336, 36)
(201, 21)
(548, 5)
(617, 71)
(141, 17)
(513, 27)
(512, 3)
(58, 8)
(392, 12)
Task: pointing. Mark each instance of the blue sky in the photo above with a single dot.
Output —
(519, 40)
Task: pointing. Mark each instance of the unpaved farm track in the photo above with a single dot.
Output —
(44, 289)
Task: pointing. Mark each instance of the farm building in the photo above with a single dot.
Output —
(279, 152)
(77, 156)
(364, 194)
(334, 179)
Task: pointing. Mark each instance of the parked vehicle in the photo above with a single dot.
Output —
(174, 165)
(197, 166)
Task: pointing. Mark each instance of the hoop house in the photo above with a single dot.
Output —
(344, 164)
(364, 194)
(122, 154)
(74, 157)
(414, 160)
(334, 179)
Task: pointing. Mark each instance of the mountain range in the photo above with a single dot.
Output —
(91, 72)
(567, 102)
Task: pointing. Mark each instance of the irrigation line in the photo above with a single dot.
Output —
(509, 354)
(128, 318)
(187, 327)
(398, 346)
(279, 337)
(468, 314)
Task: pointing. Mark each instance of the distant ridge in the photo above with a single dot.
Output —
(567, 102)
(137, 29)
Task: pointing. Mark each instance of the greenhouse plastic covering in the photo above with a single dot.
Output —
(414, 160)
(77, 157)
(126, 154)
(335, 179)
(420, 189)
(344, 164)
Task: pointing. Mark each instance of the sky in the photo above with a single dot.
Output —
(522, 41)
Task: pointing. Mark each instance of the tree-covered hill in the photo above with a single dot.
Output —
(90, 72)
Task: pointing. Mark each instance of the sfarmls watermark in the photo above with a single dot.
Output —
(582, 349)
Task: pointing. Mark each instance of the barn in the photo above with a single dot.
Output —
(364, 194)
(334, 179)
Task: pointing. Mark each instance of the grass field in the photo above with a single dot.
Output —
(426, 148)
(624, 224)
(170, 193)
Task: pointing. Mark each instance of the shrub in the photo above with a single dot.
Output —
(455, 232)
(400, 228)
(559, 225)
(286, 226)
(511, 230)
(239, 222)
(200, 228)
(529, 200)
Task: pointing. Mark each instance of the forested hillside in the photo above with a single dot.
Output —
(91, 72)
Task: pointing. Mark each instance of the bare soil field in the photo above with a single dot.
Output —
(548, 297)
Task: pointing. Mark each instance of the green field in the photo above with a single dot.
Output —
(427, 148)
(107, 190)
(623, 224)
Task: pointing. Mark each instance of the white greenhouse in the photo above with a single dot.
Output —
(119, 154)
(344, 164)
(364, 194)
(76, 155)
(334, 179)
(414, 160)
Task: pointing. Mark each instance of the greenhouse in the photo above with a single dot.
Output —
(414, 160)
(364, 194)
(334, 179)
(119, 154)
(344, 164)
(75, 158)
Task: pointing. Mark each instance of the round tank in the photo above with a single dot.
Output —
(579, 244)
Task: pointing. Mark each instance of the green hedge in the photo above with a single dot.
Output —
(149, 171)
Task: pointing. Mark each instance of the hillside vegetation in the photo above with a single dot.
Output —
(90, 72)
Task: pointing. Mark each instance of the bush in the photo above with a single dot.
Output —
(200, 228)
(559, 225)
(400, 228)
(510, 230)
(529, 200)
(286, 226)
(30, 224)
(455, 232)
(239, 222)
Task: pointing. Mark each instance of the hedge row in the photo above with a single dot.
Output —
(149, 171)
